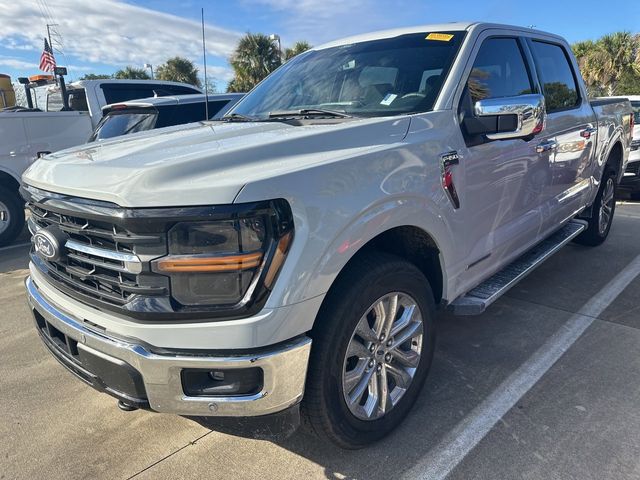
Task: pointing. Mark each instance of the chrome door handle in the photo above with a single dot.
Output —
(587, 132)
(547, 146)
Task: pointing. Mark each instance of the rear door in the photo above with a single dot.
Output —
(572, 124)
(505, 180)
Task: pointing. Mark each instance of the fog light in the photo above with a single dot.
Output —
(222, 383)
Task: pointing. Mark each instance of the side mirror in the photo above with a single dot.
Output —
(510, 117)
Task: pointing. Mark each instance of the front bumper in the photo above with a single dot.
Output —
(132, 372)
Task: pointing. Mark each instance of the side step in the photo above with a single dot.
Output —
(477, 300)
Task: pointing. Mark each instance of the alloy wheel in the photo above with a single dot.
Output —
(606, 206)
(382, 356)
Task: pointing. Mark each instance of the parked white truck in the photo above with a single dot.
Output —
(294, 254)
(26, 133)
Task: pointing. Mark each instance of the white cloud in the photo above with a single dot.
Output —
(111, 32)
(16, 63)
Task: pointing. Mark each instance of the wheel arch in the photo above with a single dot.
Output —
(615, 159)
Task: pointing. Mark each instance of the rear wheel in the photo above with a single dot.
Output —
(11, 216)
(604, 208)
(372, 349)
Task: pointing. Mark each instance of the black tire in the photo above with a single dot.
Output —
(367, 279)
(594, 235)
(13, 205)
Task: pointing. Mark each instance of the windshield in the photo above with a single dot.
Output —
(369, 79)
(116, 123)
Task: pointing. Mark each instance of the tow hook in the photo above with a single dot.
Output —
(125, 407)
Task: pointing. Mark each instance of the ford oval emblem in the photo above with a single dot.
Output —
(49, 244)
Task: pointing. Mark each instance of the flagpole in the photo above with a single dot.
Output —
(204, 58)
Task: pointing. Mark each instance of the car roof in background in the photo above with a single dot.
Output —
(174, 100)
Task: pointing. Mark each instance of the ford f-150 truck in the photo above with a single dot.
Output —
(291, 256)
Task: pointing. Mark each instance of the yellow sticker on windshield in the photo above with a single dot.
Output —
(441, 37)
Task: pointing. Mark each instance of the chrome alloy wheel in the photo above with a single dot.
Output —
(606, 206)
(382, 356)
(5, 217)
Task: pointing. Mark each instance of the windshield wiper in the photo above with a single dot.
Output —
(238, 117)
(309, 112)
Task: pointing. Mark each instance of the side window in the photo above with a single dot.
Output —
(556, 75)
(499, 71)
(122, 92)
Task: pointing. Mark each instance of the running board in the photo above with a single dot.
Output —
(477, 300)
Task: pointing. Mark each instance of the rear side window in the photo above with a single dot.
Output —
(556, 75)
(499, 71)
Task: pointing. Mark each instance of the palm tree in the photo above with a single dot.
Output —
(297, 49)
(179, 69)
(255, 57)
(605, 62)
(131, 73)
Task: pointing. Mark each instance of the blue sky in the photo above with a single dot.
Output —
(101, 36)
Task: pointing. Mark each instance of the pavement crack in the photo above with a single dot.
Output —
(190, 443)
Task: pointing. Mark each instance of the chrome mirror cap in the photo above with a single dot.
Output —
(530, 110)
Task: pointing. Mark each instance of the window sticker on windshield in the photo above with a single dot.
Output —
(441, 37)
(388, 99)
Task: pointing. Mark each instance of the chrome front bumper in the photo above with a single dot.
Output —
(284, 367)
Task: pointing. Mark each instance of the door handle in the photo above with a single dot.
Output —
(547, 146)
(587, 132)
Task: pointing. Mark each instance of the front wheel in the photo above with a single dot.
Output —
(604, 207)
(372, 349)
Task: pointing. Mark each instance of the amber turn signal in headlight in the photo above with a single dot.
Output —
(203, 264)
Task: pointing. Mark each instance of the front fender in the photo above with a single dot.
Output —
(398, 211)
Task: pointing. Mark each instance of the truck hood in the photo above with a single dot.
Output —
(206, 163)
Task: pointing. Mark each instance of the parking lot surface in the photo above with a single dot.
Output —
(544, 385)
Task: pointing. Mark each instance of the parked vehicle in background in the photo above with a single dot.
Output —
(158, 112)
(631, 181)
(7, 94)
(26, 133)
(296, 250)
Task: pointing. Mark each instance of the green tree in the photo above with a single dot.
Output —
(609, 62)
(296, 49)
(95, 76)
(179, 69)
(131, 73)
(255, 57)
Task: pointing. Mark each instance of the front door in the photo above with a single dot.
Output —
(506, 181)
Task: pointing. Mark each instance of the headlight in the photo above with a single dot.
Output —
(229, 262)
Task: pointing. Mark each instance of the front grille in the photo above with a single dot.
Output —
(102, 260)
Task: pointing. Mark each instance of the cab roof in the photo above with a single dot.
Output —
(436, 27)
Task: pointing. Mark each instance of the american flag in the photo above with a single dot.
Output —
(47, 60)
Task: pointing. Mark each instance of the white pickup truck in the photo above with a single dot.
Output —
(26, 133)
(294, 253)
